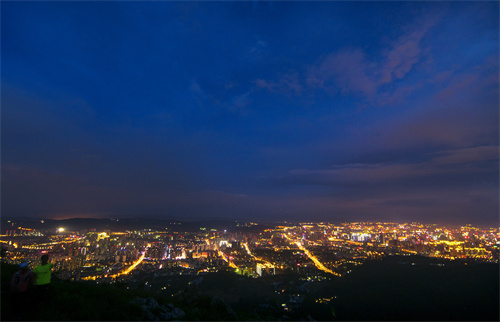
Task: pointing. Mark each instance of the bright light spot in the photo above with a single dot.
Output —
(60, 230)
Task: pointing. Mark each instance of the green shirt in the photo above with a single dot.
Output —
(43, 273)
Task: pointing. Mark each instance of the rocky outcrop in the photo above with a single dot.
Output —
(155, 312)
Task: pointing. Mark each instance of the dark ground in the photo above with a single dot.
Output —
(396, 288)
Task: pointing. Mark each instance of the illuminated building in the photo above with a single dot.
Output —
(265, 269)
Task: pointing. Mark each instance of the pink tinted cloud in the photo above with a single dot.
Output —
(442, 77)
(463, 113)
(467, 155)
(436, 129)
(240, 103)
(458, 161)
(405, 53)
(398, 95)
(349, 71)
(401, 204)
(288, 84)
(457, 87)
(269, 85)
(362, 173)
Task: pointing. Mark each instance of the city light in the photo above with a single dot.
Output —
(316, 262)
(133, 266)
(263, 262)
(305, 248)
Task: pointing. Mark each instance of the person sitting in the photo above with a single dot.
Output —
(21, 285)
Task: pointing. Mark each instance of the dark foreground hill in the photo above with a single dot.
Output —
(83, 301)
(70, 301)
(396, 288)
(417, 288)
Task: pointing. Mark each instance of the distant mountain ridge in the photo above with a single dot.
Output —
(121, 224)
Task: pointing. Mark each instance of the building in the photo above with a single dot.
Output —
(265, 269)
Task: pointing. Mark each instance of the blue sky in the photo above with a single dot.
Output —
(262, 110)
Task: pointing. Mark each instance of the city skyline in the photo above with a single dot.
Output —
(288, 269)
(317, 111)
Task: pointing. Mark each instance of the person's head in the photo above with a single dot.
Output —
(45, 259)
(23, 266)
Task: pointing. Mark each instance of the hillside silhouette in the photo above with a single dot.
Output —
(396, 288)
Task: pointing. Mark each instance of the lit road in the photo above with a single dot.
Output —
(255, 257)
(126, 271)
(49, 245)
(221, 254)
(248, 250)
(316, 262)
(133, 266)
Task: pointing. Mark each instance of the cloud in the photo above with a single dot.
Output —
(198, 93)
(442, 77)
(349, 70)
(451, 185)
(467, 155)
(257, 51)
(354, 71)
(346, 70)
(460, 163)
(461, 113)
(398, 95)
(288, 84)
(480, 80)
(240, 103)
(361, 173)
(458, 87)
(220, 197)
(405, 53)
(195, 87)
(435, 205)
(468, 118)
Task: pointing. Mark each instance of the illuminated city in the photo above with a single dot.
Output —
(104, 256)
(183, 254)
(250, 160)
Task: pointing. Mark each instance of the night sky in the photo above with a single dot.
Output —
(259, 110)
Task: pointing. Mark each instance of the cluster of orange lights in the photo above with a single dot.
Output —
(316, 262)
